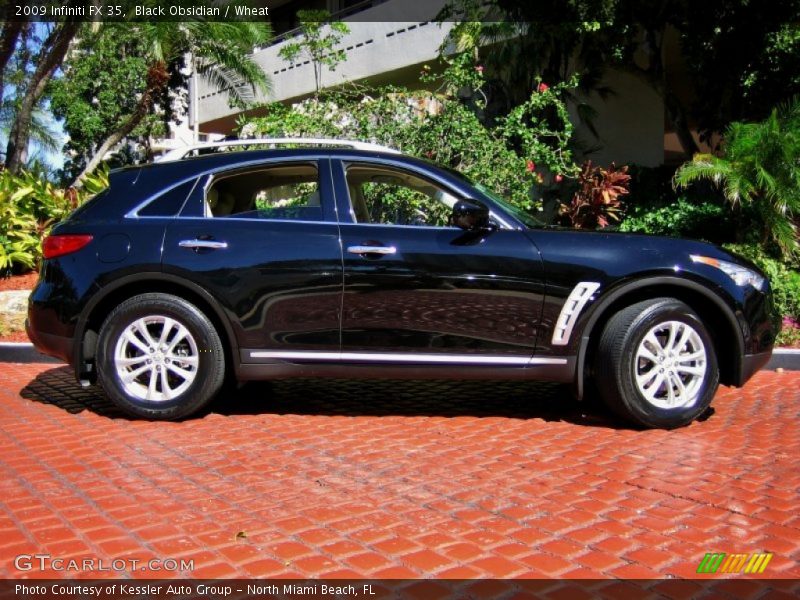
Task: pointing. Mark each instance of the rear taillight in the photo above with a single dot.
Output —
(59, 245)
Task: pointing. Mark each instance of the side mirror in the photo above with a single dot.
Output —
(470, 215)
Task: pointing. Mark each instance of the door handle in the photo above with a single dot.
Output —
(203, 244)
(372, 250)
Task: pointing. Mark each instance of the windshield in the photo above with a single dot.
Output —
(527, 219)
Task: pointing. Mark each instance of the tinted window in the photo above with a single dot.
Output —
(289, 192)
(392, 197)
(168, 204)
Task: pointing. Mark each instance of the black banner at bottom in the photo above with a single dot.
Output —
(375, 589)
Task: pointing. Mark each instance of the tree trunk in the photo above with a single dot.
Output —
(157, 79)
(113, 139)
(8, 42)
(677, 118)
(52, 54)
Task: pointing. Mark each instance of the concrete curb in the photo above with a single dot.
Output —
(784, 358)
(24, 352)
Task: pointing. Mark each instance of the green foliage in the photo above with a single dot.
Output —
(682, 218)
(220, 52)
(400, 204)
(104, 76)
(438, 128)
(317, 42)
(541, 127)
(789, 335)
(743, 58)
(29, 206)
(759, 169)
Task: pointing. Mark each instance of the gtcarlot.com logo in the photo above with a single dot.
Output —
(42, 562)
(720, 562)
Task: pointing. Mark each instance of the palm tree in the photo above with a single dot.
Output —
(48, 59)
(220, 52)
(760, 168)
(43, 133)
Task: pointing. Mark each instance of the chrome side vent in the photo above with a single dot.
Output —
(577, 299)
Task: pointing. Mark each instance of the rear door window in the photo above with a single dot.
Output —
(280, 192)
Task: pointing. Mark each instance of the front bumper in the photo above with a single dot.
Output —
(752, 363)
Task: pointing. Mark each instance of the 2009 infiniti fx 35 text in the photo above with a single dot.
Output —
(342, 259)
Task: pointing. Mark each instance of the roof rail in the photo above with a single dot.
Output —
(180, 153)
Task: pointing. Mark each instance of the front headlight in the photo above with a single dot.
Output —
(741, 275)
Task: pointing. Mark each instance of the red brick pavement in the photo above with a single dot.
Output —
(396, 480)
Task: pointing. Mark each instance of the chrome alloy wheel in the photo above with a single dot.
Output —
(156, 358)
(670, 365)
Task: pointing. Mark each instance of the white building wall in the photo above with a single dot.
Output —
(377, 44)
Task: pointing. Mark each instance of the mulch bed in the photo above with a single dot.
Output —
(19, 282)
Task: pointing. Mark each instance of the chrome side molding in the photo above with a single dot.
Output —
(407, 357)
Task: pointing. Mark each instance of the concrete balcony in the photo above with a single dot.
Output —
(380, 49)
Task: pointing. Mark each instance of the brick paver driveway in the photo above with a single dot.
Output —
(397, 479)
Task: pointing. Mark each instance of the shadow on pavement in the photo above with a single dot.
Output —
(350, 397)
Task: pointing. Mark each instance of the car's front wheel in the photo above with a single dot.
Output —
(656, 364)
(159, 357)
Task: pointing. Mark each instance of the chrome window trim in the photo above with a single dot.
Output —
(134, 212)
(346, 162)
(210, 175)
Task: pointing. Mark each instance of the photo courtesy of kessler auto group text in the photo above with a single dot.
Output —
(399, 299)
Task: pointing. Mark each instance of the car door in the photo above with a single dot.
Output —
(264, 242)
(419, 290)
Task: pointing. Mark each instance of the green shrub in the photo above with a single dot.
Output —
(503, 158)
(29, 207)
(758, 169)
(705, 220)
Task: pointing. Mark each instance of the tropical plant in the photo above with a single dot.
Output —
(317, 42)
(103, 78)
(221, 52)
(758, 168)
(597, 201)
(29, 207)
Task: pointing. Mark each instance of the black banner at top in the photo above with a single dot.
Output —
(220, 10)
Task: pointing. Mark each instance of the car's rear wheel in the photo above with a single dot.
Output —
(159, 357)
(656, 364)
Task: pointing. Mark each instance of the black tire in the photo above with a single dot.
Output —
(616, 365)
(200, 386)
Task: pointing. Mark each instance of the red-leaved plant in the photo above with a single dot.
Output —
(597, 200)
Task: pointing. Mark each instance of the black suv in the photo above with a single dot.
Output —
(348, 260)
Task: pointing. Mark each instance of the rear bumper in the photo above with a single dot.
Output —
(52, 345)
(752, 363)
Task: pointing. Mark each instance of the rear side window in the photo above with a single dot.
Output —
(283, 192)
(169, 203)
